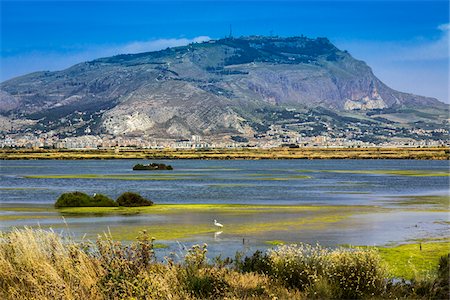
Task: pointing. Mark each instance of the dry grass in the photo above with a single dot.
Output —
(38, 264)
(245, 153)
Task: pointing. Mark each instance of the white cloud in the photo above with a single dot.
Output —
(17, 65)
(444, 27)
(137, 47)
(429, 50)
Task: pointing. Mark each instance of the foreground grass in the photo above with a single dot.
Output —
(245, 153)
(38, 264)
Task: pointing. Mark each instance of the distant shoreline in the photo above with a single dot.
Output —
(434, 153)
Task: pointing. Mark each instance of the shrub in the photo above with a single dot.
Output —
(357, 272)
(79, 199)
(441, 289)
(131, 199)
(258, 262)
(198, 278)
(103, 200)
(298, 266)
(206, 283)
(73, 199)
(321, 272)
(125, 266)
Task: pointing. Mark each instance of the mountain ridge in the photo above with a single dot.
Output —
(215, 88)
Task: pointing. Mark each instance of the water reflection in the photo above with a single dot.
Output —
(216, 235)
(290, 182)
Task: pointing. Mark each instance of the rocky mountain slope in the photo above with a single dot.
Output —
(223, 87)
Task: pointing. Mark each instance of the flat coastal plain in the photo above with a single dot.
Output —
(435, 153)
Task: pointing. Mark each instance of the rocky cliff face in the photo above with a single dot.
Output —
(212, 88)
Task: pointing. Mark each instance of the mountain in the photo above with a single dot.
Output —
(232, 86)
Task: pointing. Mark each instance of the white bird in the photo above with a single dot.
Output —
(217, 224)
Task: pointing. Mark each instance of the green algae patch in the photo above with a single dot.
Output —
(430, 200)
(300, 177)
(23, 217)
(424, 173)
(29, 208)
(288, 224)
(218, 169)
(173, 231)
(442, 222)
(276, 177)
(219, 208)
(418, 260)
(180, 221)
(275, 243)
(161, 232)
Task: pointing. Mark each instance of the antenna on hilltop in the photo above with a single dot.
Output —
(231, 32)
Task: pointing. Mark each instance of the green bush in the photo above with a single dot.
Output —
(130, 199)
(79, 199)
(321, 272)
(298, 266)
(103, 200)
(441, 286)
(198, 278)
(358, 273)
(206, 283)
(73, 199)
(126, 267)
(258, 262)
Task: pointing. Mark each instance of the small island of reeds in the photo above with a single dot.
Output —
(152, 167)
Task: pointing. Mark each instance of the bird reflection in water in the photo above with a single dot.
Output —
(217, 234)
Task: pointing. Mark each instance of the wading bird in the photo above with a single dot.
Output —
(217, 224)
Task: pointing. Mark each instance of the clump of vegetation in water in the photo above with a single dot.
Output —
(130, 199)
(152, 167)
(79, 199)
(39, 264)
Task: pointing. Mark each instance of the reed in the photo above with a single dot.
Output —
(39, 264)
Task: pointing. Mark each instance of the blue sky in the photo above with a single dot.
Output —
(405, 42)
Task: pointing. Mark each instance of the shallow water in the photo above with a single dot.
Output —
(291, 182)
(218, 181)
